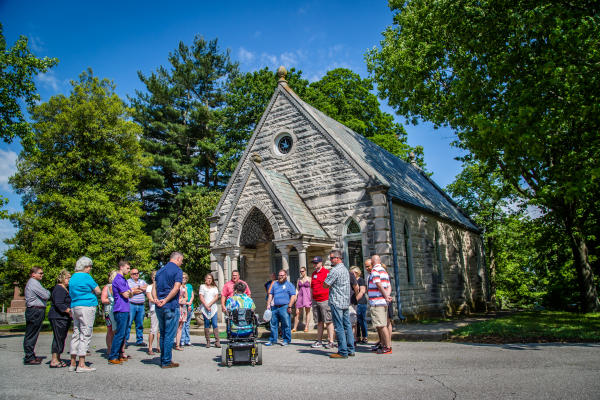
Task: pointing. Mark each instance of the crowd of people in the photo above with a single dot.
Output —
(337, 296)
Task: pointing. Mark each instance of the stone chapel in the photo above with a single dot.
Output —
(307, 184)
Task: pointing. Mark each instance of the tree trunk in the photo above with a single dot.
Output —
(585, 275)
(492, 262)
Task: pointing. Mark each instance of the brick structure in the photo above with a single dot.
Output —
(307, 184)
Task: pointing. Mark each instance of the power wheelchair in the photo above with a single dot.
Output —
(242, 334)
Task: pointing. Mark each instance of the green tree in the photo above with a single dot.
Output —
(484, 195)
(190, 233)
(519, 83)
(179, 115)
(18, 67)
(78, 181)
(344, 96)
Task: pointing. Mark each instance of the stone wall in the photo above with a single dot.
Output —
(457, 285)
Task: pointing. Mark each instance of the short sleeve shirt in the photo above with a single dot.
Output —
(138, 298)
(339, 286)
(319, 293)
(119, 285)
(165, 280)
(152, 305)
(81, 290)
(227, 291)
(378, 275)
(282, 292)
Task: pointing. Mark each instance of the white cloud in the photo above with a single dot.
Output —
(269, 60)
(7, 231)
(49, 80)
(246, 55)
(288, 59)
(8, 167)
(36, 44)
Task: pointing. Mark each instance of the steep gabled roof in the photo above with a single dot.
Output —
(302, 220)
(407, 183)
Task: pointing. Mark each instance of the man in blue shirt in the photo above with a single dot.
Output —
(283, 296)
(166, 292)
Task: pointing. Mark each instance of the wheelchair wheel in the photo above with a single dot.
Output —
(259, 354)
(224, 356)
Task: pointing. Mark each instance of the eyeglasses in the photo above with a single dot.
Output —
(135, 273)
(40, 272)
(333, 258)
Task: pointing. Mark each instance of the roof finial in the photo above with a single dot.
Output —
(281, 73)
(412, 157)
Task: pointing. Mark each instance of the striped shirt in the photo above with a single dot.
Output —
(338, 280)
(378, 275)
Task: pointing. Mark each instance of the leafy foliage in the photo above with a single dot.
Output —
(190, 233)
(18, 67)
(518, 81)
(180, 114)
(78, 179)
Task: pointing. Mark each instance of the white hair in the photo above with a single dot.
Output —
(82, 263)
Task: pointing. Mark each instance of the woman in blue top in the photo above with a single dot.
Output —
(84, 292)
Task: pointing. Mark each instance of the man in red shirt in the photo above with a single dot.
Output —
(321, 310)
(227, 291)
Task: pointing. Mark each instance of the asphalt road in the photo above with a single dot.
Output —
(415, 370)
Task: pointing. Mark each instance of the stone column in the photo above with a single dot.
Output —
(220, 258)
(285, 258)
(234, 255)
(302, 255)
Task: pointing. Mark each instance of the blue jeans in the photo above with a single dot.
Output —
(136, 313)
(168, 319)
(122, 320)
(361, 319)
(279, 313)
(343, 329)
(185, 332)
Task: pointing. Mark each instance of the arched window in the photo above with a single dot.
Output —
(438, 256)
(408, 253)
(353, 254)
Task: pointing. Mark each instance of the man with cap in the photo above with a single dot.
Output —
(321, 310)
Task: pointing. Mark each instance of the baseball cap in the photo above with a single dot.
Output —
(317, 259)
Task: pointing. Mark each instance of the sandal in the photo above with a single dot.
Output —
(293, 330)
(61, 364)
(178, 348)
(150, 353)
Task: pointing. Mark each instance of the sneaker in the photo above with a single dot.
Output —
(316, 344)
(269, 343)
(284, 343)
(72, 368)
(351, 354)
(141, 344)
(329, 345)
(337, 355)
(85, 369)
(385, 350)
(188, 344)
(376, 347)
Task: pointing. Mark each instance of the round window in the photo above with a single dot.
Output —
(284, 144)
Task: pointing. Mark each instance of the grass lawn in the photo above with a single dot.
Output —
(533, 326)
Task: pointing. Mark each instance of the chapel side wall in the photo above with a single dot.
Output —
(459, 287)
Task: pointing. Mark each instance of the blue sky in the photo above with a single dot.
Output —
(117, 39)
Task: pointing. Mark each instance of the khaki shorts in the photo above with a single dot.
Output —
(352, 312)
(379, 316)
(321, 311)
